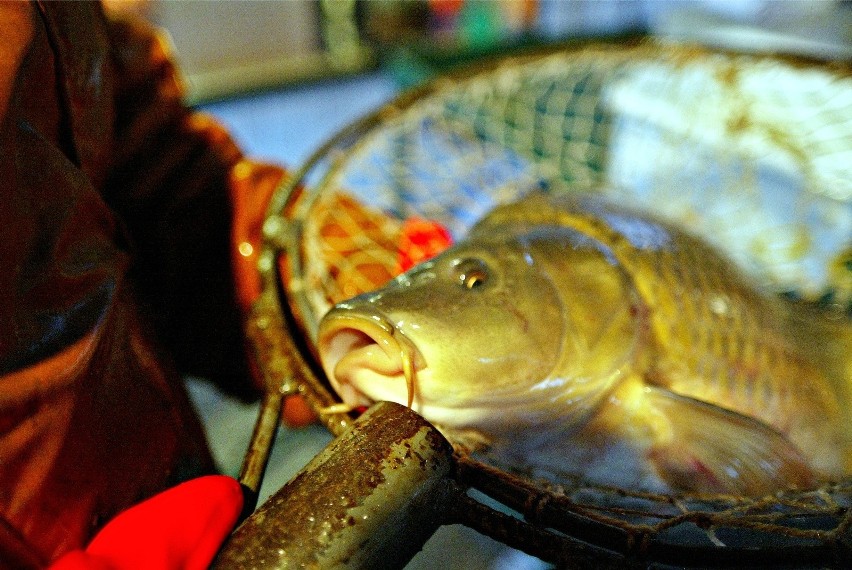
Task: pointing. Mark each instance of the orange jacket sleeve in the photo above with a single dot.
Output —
(117, 273)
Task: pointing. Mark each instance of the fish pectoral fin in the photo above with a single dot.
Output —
(702, 447)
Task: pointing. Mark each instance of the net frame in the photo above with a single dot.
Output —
(580, 524)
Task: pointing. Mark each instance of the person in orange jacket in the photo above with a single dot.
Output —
(121, 215)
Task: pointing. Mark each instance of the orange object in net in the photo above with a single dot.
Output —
(419, 241)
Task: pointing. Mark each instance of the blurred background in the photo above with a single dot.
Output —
(285, 76)
(227, 47)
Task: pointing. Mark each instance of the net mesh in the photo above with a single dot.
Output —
(752, 153)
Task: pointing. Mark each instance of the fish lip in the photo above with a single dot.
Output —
(366, 328)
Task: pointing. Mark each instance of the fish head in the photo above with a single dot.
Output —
(498, 333)
(451, 337)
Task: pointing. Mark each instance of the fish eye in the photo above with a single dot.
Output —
(472, 273)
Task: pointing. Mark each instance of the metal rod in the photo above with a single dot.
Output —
(259, 449)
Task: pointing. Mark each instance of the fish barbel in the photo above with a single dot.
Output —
(568, 335)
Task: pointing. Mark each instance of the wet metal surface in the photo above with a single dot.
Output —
(370, 499)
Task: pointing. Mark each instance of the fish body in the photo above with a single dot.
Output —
(566, 335)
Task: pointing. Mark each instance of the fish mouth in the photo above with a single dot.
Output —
(367, 359)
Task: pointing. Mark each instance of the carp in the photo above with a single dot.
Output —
(566, 335)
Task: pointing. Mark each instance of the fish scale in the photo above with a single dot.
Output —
(693, 269)
(611, 346)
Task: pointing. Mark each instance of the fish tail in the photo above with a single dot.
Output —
(846, 347)
(839, 327)
(832, 336)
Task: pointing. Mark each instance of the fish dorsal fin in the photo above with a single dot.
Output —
(699, 446)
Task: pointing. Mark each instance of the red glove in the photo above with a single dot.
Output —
(181, 528)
